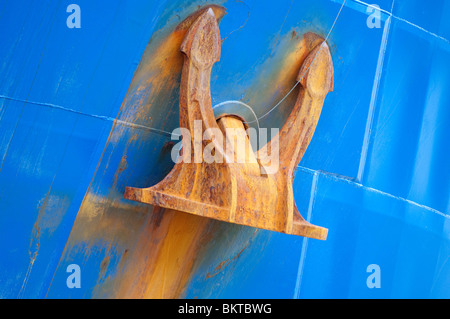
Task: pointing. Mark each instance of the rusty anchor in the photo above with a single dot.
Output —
(244, 191)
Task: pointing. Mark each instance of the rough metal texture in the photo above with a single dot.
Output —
(243, 192)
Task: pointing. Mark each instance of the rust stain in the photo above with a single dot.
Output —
(160, 267)
(293, 34)
(105, 221)
(51, 210)
(104, 264)
(222, 265)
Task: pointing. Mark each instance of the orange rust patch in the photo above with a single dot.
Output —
(225, 263)
(171, 250)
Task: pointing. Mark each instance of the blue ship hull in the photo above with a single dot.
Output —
(87, 110)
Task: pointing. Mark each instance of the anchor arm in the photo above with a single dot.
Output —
(201, 47)
(316, 78)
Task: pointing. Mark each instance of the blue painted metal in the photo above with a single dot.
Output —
(376, 173)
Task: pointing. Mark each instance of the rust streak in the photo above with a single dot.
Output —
(225, 263)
